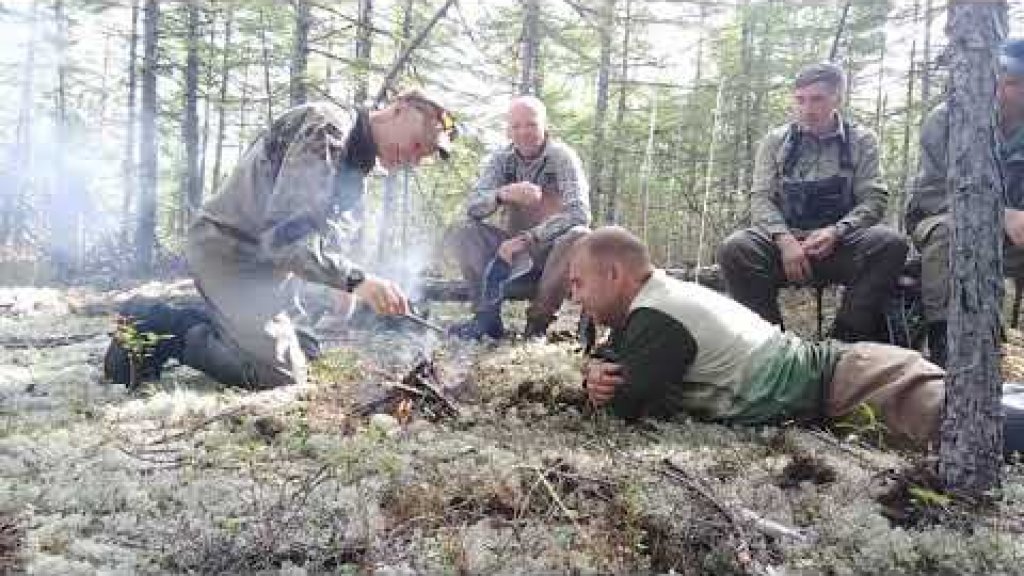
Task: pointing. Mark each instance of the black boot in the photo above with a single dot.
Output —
(149, 335)
(483, 323)
(537, 326)
(937, 343)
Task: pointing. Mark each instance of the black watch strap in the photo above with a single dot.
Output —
(353, 279)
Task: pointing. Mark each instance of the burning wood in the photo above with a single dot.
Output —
(420, 391)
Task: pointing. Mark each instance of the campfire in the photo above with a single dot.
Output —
(420, 392)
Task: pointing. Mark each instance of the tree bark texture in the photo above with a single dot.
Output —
(971, 440)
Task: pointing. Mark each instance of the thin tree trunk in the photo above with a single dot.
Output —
(607, 26)
(529, 80)
(103, 85)
(191, 194)
(128, 165)
(908, 119)
(611, 214)
(64, 214)
(926, 69)
(300, 53)
(145, 238)
(222, 97)
(267, 86)
(363, 47)
(243, 105)
(207, 106)
(971, 448)
(880, 95)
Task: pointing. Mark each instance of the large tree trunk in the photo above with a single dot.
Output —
(191, 193)
(300, 53)
(218, 152)
(364, 45)
(971, 447)
(607, 26)
(128, 166)
(529, 79)
(611, 215)
(145, 237)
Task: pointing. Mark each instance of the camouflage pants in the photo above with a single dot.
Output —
(907, 394)
(931, 238)
(252, 341)
(474, 244)
(867, 261)
(905, 391)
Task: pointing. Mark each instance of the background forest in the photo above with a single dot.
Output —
(119, 117)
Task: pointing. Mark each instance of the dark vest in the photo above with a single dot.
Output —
(813, 204)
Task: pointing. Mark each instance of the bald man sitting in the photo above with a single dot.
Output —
(537, 187)
(680, 347)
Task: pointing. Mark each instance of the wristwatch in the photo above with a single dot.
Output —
(353, 279)
(842, 229)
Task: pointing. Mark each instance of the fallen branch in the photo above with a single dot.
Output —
(31, 342)
(737, 515)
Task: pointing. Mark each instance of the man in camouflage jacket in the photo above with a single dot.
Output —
(927, 216)
(266, 224)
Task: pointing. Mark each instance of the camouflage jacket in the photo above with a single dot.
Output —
(926, 190)
(818, 158)
(280, 199)
(557, 170)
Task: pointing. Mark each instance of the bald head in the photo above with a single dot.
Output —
(616, 245)
(609, 268)
(527, 125)
(530, 104)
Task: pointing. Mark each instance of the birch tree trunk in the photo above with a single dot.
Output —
(971, 447)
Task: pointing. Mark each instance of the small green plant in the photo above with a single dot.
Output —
(864, 423)
(138, 345)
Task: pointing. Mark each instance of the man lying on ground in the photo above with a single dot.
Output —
(680, 347)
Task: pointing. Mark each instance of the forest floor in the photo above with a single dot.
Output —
(185, 476)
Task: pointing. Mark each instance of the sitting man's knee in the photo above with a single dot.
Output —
(733, 249)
